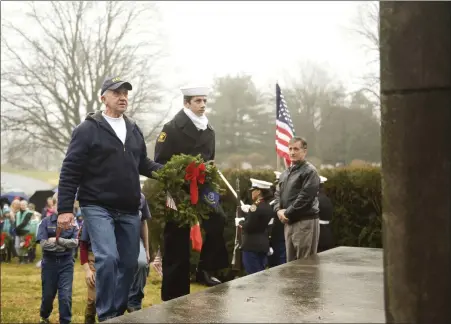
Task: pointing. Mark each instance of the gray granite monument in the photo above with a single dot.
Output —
(342, 285)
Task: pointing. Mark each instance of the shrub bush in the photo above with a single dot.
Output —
(354, 191)
(356, 195)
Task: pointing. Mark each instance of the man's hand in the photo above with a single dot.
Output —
(66, 220)
(52, 240)
(90, 278)
(282, 217)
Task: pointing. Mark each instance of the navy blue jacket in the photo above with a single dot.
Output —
(105, 171)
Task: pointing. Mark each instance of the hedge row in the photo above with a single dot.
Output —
(355, 193)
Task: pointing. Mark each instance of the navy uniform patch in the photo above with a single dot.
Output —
(162, 137)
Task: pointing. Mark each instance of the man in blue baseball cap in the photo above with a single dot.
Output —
(114, 83)
(105, 158)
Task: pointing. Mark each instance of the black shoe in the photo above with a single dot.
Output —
(205, 278)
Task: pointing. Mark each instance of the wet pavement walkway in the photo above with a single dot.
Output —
(342, 285)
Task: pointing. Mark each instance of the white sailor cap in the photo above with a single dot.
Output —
(195, 91)
(260, 184)
(323, 179)
(277, 173)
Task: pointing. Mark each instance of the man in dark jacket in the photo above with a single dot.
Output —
(190, 133)
(297, 203)
(106, 155)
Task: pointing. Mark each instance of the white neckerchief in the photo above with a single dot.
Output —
(200, 122)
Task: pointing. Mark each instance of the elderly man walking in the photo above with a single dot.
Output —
(296, 203)
(106, 155)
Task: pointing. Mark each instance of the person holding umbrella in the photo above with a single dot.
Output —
(14, 194)
(42, 199)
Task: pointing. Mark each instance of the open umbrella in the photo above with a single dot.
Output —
(39, 198)
(10, 195)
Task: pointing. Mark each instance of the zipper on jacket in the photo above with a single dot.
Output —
(115, 135)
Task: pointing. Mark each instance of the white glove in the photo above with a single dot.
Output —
(271, 251)
(245, 208)
(238, 220)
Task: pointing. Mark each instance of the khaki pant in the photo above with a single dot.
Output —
(90, 311)
(301, 239)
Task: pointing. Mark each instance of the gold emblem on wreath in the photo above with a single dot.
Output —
(253, 208)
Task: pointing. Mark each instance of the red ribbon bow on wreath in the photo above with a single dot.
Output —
(27, 241)
(2, 239)
(194, 174)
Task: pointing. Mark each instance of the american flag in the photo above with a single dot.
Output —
(284, 127)
(170, 203)
(157, 264)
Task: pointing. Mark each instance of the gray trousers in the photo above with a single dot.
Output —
(301, 239)
(136, 294)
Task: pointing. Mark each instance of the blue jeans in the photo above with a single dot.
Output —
(114, 237)
(57, 274)
(279, 255)
(254, 261)
(136, 293)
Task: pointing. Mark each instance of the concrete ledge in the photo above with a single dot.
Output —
(342, 285)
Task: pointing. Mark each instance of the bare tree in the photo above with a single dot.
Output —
(50, 81)
(366, 27)
(310, 96)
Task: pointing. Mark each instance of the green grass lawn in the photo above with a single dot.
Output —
(21, 293)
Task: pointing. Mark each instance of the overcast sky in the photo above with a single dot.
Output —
(263, 38)
(266, 39)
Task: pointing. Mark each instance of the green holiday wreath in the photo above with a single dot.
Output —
(188, 189)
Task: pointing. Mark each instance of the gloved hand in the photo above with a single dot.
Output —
(238, 220)
(245, 208)
(271, 251)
